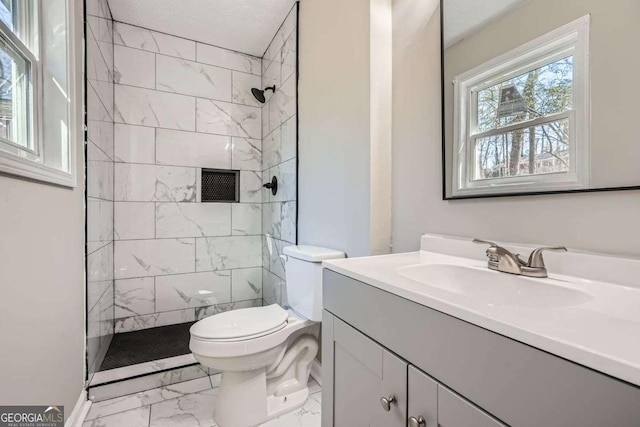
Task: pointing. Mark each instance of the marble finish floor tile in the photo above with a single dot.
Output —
(186, 404)
(118, 389)
(138, 417)
(307, 416)
(144, 398)
(193, 410)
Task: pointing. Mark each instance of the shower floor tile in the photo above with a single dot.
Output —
(186, 404)
(146, 345)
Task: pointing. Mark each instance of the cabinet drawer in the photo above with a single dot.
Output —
(453, 411)
(364, 373)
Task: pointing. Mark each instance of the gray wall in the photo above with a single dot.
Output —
(42, 277)
(603, 222)
(345, 122)
(334, 125)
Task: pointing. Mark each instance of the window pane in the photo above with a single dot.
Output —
(14, 97)
(538, 93)
(6, 13)
(531, 151)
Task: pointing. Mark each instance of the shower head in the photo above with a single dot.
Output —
(259, 93)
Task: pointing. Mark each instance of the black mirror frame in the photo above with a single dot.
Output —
(444, 156)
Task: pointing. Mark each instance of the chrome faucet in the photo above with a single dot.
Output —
(501, 259)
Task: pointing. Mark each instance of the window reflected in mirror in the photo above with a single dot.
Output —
(519, 85)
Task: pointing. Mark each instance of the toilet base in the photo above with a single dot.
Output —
(249, 398)
(278, 406)
(240, 395)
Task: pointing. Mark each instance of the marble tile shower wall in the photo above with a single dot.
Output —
(181, 106)
(279, 130)
(100, 155)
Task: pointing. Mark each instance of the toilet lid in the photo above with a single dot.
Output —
(241, 323)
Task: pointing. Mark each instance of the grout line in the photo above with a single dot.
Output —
(155, 71)
(183, 274)
(231, 95)
(226, 236)
(172, 165)
(222, 67)
(95, 39)
(280, 27)
(182, 310)
(191, 40)
(155, 220)
(195, 114)
(182, 130)
(110, 160)
(185, 95)
(95, 90)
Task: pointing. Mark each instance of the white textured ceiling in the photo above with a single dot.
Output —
(243, 25)
(464, 17)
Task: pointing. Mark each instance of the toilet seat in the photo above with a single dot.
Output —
(240, 325)
(252, 344)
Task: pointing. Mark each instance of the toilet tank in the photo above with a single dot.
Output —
(304, 278)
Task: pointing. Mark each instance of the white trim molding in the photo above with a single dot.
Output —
(38, 163)
(80, 410)
(569, 40)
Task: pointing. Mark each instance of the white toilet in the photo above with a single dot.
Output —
(265, 353)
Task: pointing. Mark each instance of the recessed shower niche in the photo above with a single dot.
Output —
(220, 186)
(179, 224)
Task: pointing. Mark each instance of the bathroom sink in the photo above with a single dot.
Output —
(495, 289)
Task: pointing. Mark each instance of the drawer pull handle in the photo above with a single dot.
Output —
(386, 402)
(417, 422)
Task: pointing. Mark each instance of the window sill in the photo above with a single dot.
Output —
(25, 168)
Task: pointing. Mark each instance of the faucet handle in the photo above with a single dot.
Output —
(536, 260)
(485, 242)
(494, 252)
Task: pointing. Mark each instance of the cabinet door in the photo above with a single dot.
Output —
(454, 411)
(423, 398)
(365, 373)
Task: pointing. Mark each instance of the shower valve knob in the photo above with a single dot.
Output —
(273, 185)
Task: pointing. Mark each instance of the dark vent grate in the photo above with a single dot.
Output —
(220, 185)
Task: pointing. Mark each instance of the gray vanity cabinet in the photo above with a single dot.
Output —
(374, 388)
(423, 397)
(378, 345)
(434, 405)
(454, 411)
(365, 373)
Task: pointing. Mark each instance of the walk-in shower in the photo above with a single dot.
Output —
(175, 128)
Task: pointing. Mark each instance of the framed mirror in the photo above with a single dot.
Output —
(539, 96)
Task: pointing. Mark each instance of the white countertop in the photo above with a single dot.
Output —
(602, 333)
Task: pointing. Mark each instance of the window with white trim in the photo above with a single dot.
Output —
(35, 103)
(521, 120)
(18, 64)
